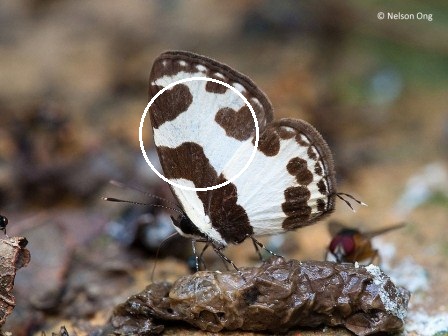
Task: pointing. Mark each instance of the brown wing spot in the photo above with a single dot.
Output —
(237, 124)
(322, 187)
(215, 87)
(170, 104)
(167, 65)
(312, 153)
(318, 169)
(189, 162)
(269, 143)
(228, 218)
(321, 205)
(296, 207)
(298, 167)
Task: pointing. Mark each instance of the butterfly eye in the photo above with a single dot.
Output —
(349, 244)
(342, 244)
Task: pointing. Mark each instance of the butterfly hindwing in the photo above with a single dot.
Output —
(291, 181)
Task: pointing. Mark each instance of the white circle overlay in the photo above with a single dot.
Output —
(190, 79)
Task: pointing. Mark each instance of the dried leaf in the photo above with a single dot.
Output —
(13, 256)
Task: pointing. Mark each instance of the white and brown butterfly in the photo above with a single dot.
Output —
(204, 134)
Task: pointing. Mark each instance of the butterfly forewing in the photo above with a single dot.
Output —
(192, 119)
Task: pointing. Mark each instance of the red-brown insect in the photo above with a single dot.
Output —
(352, 245)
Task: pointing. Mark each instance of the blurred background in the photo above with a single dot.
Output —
(73, 86)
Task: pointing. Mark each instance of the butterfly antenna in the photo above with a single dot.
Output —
(343, 196)
(126, 186)
(112, 199)
(158, 251)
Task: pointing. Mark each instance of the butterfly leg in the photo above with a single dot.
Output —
(193, 247)
(227, 260)
(258, 244)
(201, 256)
(257, 250)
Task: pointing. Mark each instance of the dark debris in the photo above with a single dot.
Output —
(62, 332)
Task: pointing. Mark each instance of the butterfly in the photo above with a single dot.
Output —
(352, 245)
(204, 134)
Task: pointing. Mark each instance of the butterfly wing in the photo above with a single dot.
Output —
(291, 181)
(203, 113)
(198, 127)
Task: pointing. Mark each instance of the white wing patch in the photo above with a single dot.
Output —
(198, 124)
(201, 68)
(261, 188)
